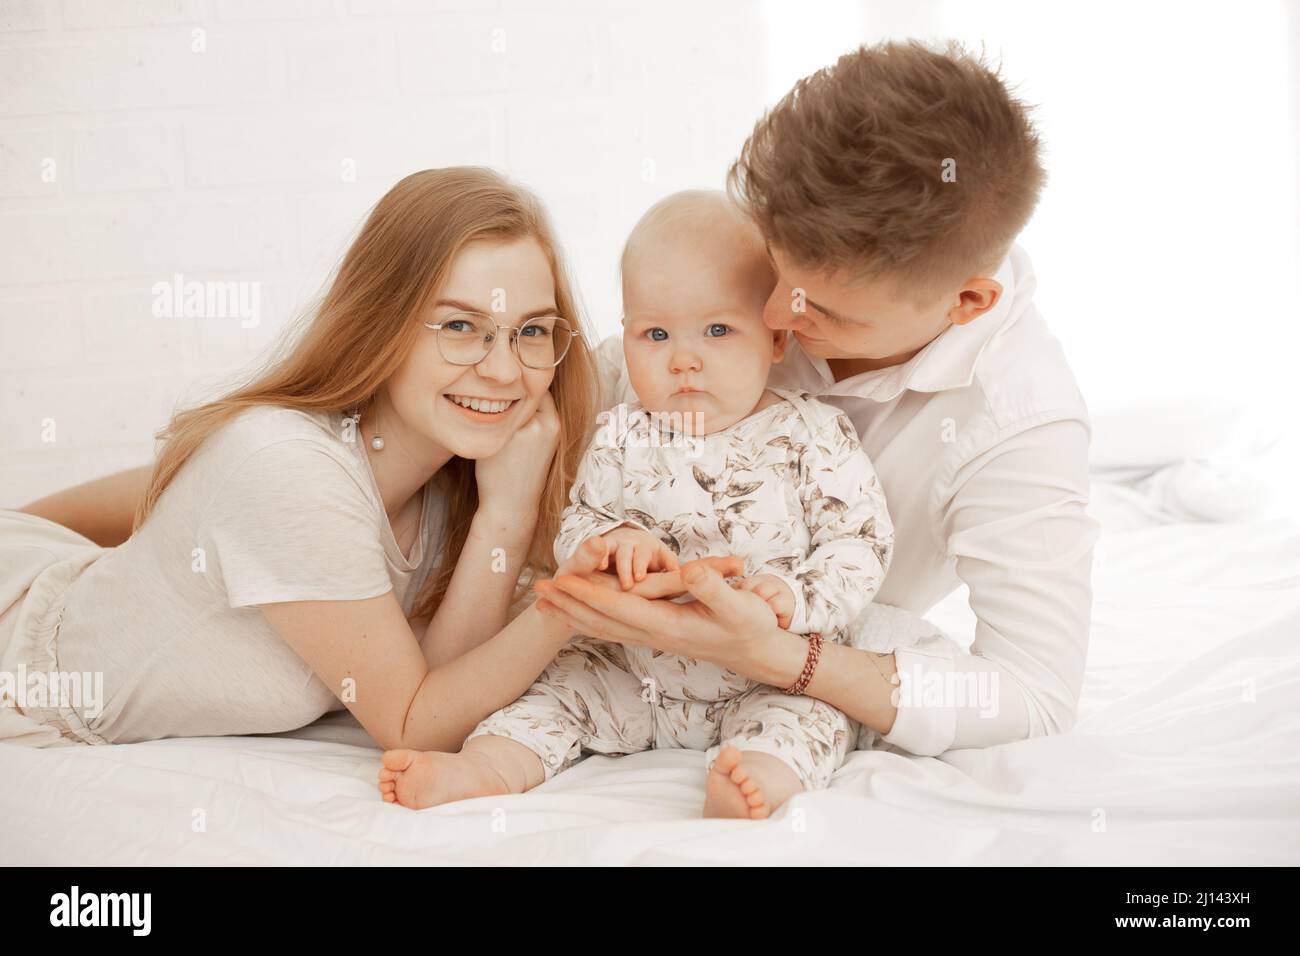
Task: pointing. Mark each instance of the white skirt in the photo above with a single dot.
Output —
(39, 560)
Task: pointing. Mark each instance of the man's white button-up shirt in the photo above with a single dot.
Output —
(981, 443)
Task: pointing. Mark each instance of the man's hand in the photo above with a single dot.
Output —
(776, 593)
(724, 625)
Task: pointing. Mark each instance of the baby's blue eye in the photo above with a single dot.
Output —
(651, 333)
(716, 325)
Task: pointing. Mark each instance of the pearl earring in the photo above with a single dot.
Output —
(377, 443)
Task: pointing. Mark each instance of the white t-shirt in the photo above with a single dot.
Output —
(274, 506)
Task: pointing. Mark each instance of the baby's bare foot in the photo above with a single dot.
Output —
(419, 779)
(748, 785)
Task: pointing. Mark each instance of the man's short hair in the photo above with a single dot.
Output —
(899, 161)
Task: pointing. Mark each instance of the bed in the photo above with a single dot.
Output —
(1187, 751)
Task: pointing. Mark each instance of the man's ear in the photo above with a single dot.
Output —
(779, 342)
(976, 297)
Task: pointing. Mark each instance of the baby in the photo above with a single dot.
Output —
(708, 461)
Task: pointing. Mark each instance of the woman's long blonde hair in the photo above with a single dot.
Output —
(364, 328)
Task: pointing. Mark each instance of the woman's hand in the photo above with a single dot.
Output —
(511, 481)
(725, 625)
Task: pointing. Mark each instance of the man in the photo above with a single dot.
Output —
(890, 188)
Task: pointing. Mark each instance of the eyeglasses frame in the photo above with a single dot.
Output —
(514, 339)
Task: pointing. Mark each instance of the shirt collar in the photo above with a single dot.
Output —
(948, 361)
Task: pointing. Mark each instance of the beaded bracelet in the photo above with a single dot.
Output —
(809, 665)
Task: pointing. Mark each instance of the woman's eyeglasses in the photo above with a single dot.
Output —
(465, 338)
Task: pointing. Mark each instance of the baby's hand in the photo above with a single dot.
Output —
(636, 551)
(775, 592)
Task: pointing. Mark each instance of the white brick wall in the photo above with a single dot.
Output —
(144, 138)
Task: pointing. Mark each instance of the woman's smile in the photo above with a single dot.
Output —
(482, 410)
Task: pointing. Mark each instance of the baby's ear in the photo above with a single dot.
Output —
(779, 341)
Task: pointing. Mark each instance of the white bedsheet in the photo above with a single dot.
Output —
(1187, 751)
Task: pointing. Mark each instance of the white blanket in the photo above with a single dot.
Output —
(1187, 751)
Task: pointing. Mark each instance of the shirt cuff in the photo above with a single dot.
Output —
(926, 721)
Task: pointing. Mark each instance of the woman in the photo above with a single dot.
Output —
(349, 528)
